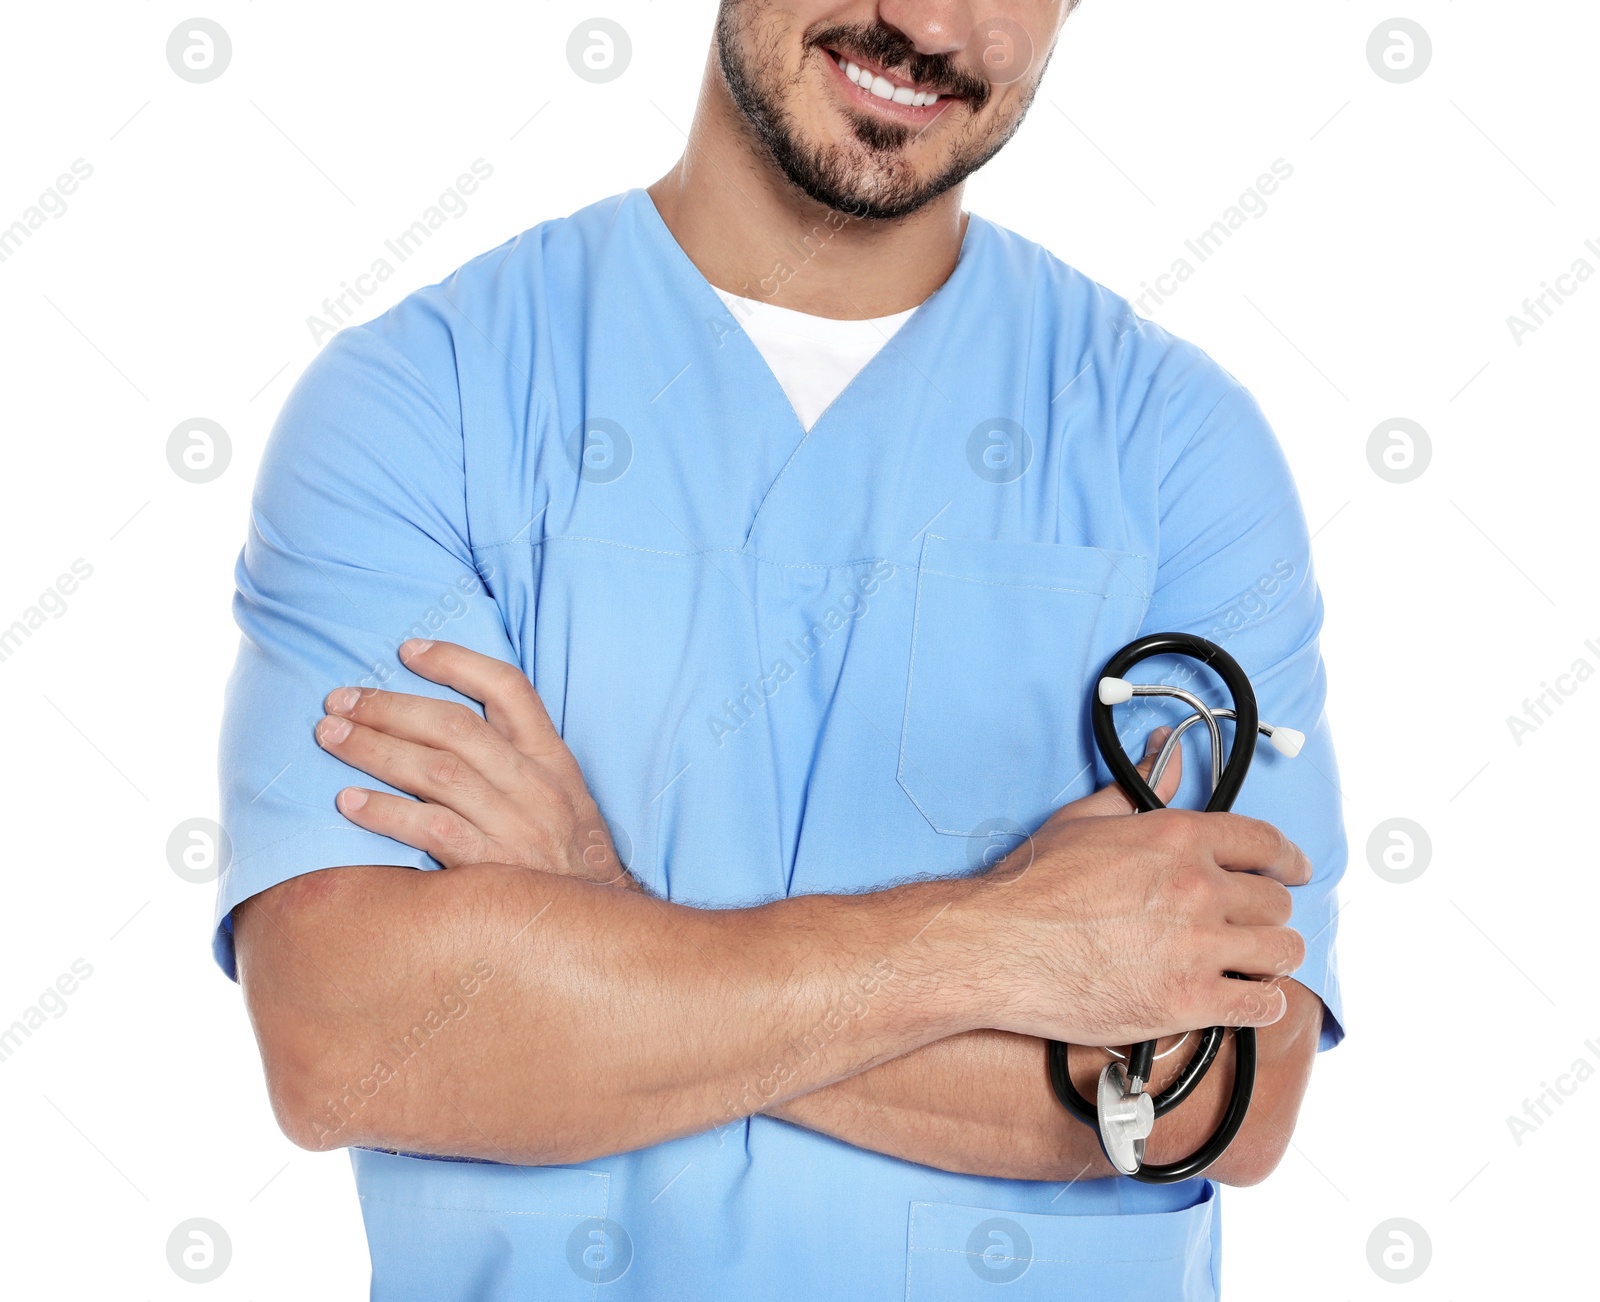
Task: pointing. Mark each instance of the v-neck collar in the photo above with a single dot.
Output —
(908, 341)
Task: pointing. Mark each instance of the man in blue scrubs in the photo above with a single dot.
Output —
(707, 588)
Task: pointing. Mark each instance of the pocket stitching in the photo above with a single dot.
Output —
(905, 716)
(1043, 550)
(1041, 587)
(605, 1200)
(472, 1211)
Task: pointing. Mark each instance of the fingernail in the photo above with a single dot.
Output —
(414, 647)
(351, 799)
(343, 701)
(330, 732)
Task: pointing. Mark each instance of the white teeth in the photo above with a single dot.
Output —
(883, 88)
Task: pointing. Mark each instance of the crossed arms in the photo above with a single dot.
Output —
(909, 1021)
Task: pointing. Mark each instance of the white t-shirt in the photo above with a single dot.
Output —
(814, 357)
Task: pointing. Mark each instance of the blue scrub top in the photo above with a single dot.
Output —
(788, 662)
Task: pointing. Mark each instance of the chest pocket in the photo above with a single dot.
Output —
(1005, 642)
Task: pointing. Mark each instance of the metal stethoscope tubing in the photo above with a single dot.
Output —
(1227, 777)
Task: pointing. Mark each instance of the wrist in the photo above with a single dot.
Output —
(947, 943)
(897, 962)
(1012, 973)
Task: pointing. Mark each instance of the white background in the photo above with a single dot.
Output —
(219, 216)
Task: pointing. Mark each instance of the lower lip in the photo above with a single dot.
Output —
(911, 114)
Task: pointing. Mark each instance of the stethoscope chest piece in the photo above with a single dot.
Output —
(1127, 1116)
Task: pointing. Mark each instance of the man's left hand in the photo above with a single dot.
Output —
(499, 789)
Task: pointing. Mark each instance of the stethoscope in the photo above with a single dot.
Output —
(1123, 1112)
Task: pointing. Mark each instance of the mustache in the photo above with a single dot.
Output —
(893, 50)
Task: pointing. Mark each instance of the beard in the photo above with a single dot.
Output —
(867, 175)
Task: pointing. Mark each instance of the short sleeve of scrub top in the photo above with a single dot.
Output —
(357, 541)
(1232, 526)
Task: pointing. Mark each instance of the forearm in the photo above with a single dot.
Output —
(508, 1014)
(978, 1103)
(981, 1104)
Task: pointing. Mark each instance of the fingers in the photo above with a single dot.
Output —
(436, 775)
(1114, 800)
(433, 829)
(1249, 1003)
(447, 726)
(1248, 991)
(1242, 844)
(1167, 788)
(510, 704)
(1259, 951)
(1249, 900)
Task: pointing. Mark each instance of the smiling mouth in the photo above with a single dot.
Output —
(886, 86)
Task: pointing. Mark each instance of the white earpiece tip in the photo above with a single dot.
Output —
(1287, 741)
(1114, 691)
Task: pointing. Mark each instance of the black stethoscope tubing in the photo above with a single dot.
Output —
(1141, 1057)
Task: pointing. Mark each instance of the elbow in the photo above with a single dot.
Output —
(296, 1030)
(324, 1098)
(308, 1115)
(303, 1127)
(1288, 1053)
(1250, 1159)
(311, 1113)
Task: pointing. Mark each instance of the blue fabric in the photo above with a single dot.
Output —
(787, 663)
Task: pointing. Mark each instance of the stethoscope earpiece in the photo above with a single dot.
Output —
(1286, 741)
(1114, 691)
